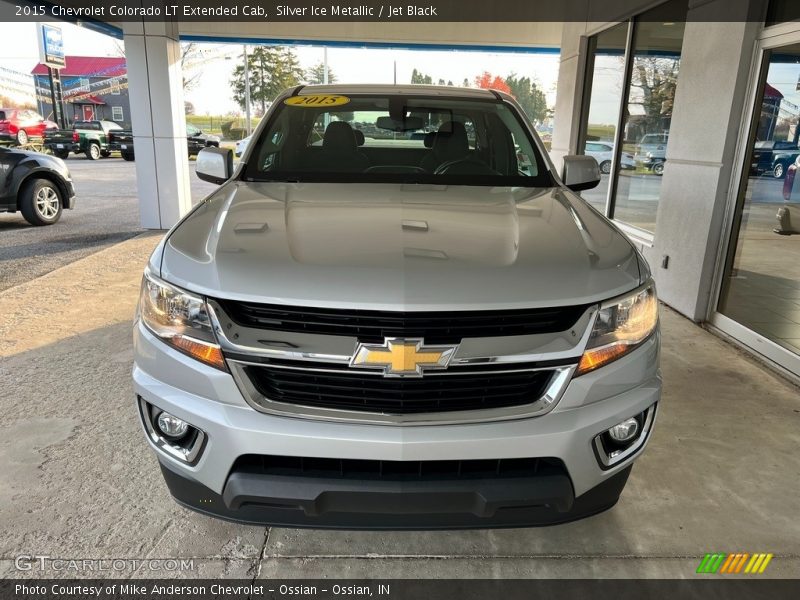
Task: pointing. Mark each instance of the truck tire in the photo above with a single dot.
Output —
(22, 137)
(105, 153)
(779, 171)
(128, 156)
(62, 154)
(40, 202)
(93, 151)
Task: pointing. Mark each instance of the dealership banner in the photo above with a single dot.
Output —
(120, 11)
(398, 589)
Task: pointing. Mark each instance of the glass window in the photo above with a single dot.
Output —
(647, 81)
(761, 288)
(656, 60)
(604, 85)
(400, 139)
(117, 113)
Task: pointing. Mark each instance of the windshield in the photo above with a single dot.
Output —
(396, 138)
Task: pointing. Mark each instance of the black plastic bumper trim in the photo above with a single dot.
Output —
(359, 504)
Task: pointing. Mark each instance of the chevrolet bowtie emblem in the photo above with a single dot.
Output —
(402, 357)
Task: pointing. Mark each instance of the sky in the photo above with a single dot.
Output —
(19, 52)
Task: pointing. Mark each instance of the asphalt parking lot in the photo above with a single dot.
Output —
(106, 213)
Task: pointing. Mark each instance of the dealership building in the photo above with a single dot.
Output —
(706, 110)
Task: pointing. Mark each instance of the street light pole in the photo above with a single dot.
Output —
(247, 91)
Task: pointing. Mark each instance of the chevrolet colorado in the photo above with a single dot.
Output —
(422, 327)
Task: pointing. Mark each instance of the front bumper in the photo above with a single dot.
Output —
(210, 400)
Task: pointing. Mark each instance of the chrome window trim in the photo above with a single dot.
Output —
(562, 375)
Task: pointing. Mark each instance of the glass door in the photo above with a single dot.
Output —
(761, 282)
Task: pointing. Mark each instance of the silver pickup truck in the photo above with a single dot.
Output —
(394, 313)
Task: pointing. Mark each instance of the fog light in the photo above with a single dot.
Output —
(171, 426)
(623, 432)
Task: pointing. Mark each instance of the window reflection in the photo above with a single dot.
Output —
(762, 284)
(604, 90)
(656, 58)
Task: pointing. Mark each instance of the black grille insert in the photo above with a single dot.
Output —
(368, 392)
(374, 326)
(411, 470)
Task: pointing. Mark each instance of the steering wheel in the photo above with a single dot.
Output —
(465, 166)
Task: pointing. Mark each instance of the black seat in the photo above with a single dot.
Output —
(340, 149)
(450, 143)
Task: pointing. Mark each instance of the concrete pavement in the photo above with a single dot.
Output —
(79, 481)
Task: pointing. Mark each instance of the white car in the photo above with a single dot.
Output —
(603, 152)
(241, 145)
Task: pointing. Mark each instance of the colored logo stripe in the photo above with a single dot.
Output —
(735, 563)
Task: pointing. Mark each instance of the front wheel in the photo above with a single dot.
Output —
(779, 171)
(93, 153)
(40, 202)
(658, 168)
(605, 167)
(22, 137)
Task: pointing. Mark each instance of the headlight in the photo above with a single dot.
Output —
(619, 328)
(179, 319)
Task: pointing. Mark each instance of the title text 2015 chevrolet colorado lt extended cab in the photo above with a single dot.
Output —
(420, 327)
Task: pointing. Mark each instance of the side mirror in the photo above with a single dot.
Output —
(580, 172)
(214, 164)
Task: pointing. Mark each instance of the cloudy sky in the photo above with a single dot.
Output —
(19, 52)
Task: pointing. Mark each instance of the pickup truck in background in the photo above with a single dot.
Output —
(773, 157)
(88, 137)
(196, 140)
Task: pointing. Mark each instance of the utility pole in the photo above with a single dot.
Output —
(247, 91)
(325, 66)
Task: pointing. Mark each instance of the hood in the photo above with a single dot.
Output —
(399, 247)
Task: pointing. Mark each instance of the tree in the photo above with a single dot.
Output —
(419, 77)
(529, 96)
(316, 74)
(656, 78)
(487, 82)
(272, 70)
(466, 82)
(191, 56)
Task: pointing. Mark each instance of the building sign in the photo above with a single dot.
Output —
(51, 46)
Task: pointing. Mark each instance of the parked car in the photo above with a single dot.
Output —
(87, 137)
(196, 140)
(651, 152)
(603, 153)
(392, 335)
(769, 155)
(241, 145)
(18, 125)
(782, 160)
(37, 185)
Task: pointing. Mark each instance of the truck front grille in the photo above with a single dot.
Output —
(435, 392)
(373, 326)
(393, 470)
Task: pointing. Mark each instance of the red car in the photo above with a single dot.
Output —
(20, 124)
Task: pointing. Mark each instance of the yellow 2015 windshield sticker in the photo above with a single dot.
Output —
(317, 100)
